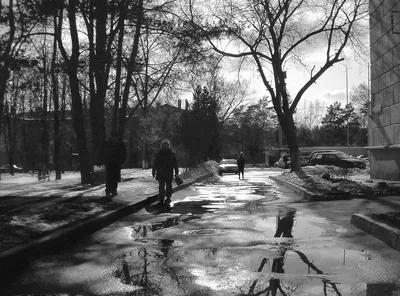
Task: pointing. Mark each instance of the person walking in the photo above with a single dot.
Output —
(241, 163)
(115, 154)
(165, 166)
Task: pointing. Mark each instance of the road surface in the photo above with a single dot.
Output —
(223, 236)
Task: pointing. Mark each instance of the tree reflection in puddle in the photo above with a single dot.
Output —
(146, 269)
(160, 267)
(284, 229)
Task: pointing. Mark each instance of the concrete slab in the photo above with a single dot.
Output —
(361, 221)
(386, 233)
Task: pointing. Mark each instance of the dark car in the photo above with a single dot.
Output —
(228, 166)
(318, 151)
(338, 158)
(5, 168)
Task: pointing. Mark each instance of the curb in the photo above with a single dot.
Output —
(386, 233)
(53, 241)
(386, 201)
(310, 196)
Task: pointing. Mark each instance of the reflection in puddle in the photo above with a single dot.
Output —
(205, 232)
(278, 267)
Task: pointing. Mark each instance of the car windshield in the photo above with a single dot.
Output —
(228, 161)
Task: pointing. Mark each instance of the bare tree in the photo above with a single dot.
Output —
(361, 99)
(17, 22)
(310, 114)
(72, 64)
(278, 34)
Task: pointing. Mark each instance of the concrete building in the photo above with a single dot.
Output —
(384, 122)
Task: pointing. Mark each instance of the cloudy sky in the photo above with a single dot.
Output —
(331, 86)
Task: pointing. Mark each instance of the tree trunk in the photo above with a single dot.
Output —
(77, 108)
(57, 135)
(99, 64)
(117, 93)
(5, 69)
(45, 132)
(8, 132)
(289, 128)
(78, 122)
(131, 64)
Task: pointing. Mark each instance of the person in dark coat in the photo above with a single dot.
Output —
(164, 168)
(285, 160)
(241, 163)
(115, 154)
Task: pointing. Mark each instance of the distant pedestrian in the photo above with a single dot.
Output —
(285, 159)
(165, 166)
(241, 162)
(115, 154)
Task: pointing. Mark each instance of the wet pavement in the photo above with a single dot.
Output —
(223, 237)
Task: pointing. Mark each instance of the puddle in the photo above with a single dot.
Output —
(144, 232)
(234, 270)
(227, 263)
(205, 232)
(277, 266)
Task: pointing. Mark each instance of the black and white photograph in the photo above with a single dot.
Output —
(200, 147)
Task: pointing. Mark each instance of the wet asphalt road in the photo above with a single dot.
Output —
(221, 238)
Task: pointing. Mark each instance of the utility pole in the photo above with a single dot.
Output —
(347, 103)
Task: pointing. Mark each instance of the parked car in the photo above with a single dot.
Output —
(338, 158)
(5, 168)
(318, 151)
(227, 166)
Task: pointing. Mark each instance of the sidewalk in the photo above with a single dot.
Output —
(379, 191)
(38, 215)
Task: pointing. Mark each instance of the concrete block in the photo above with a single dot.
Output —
(375, 32)
(381, 82)
(396, 51)
(377, 69)
(373, 53)
(387, 24)
(387, 62)
(374, 18)
(395, 113)
(388, 5)
(372, 124)
(373, 5)
(393, 77)
(383, 45)
(388, 134)
(393, 41)
(386, 116)
(396, 93)
(377, 99)
(377, 137)
(396, 134)
(362, 222)
(385, 233)
(374, 85)
(388, 94)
